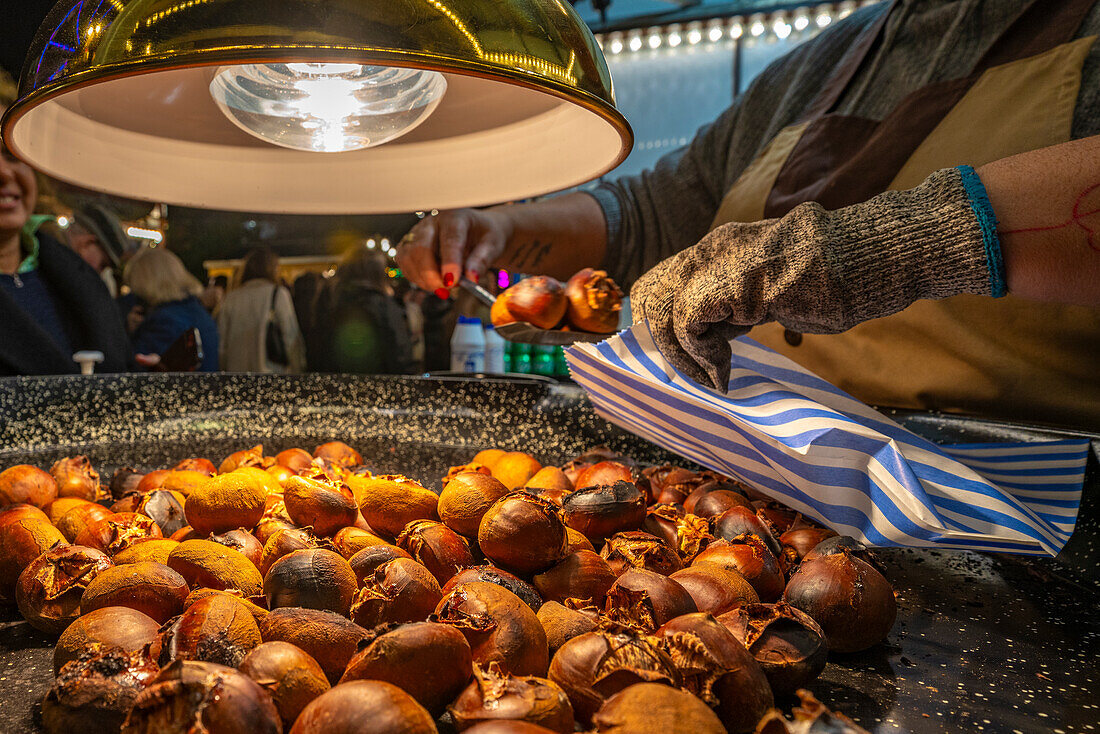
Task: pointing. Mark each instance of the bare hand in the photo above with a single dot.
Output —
(440, 249)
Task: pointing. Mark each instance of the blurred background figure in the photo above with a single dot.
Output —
(311, 296)
(96, 235)
(214, 293)
(410, 298)
(170, 296)
(259, 329)
(366, 330)
(51, 303)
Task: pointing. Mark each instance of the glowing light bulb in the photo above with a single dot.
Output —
(327, 108)
(63, 222)
(654, 40)
(674, 39)
(694, 36)
(823, 19)
(737, 30)
(801, 23)
(616, 46)
(714, 34)
(781, 28)
(757, 29)
(635, 43)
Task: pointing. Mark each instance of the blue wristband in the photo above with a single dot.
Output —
(987, 221)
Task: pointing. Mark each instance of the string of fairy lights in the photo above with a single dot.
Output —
(773, 26)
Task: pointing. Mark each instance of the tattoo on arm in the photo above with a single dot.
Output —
(531, 254)
(1087, 205)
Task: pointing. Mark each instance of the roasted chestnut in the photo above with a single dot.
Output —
(252, 604)
(789, 646)
(286, 541)
(594, 302)
(23, 511)
(124, 481)
(155, 550)
(506, 726)
(716, 667)
(653, 707)
(487, 457)
(595, 666)
(75, 477)
(73, 522)
(550, 478)
(637, 549)
(601, 511)
(290, 676)
(313, 579)
(645, 600)
(522, 533)
(400, 590)
(390, 502)
(429, 661)
(804, 538)
(26, 483)
(349, 541)
(339, 454)
(810, 716)
(210, 564)
(150, 588)
(494, 696)
(539, 300)
(575, 540)
(748, 555)
(500, 628)
(120, 627)
(603, 473)
(193, 695)
(245, 457)
(183, 482)
(715, 589)
(324, 506)
(203, 466)
(500, 577)
(294, 459)
(580, 575)
(49, 588)
(438, 548)
(845, 544)
(515, 468)
(562, 624)
(226, 502)
(852, 602)
(93, 693)
(465, 499)
(21, 541)
(165, 509)
(364, 563)
(686, 534)
(777, 517)
(739, 520)
(243, 542)
(153, 480)
(713, 504)
(217, 629)
(326, 637)
(57, 509)
(364, 707)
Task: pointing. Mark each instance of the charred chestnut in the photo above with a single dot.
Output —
(199, 696)
(500, 577)
(429, 661)
(313, 579)
(789, 646)
(400, 590)
(652, 707)
(852, 602)
(522, 533)
(283, 542)
(637, 549)
(326, 637)
(120, 627)
(580, 575)
(494, 696)
(601, 511)
(93, 693)
(325, 506)
(150, 588)
(75, 477)
(645, 600)
(438, 548)
(500, 628)
(739, 520)
(49, 589)
(290, 676)
(364, 707)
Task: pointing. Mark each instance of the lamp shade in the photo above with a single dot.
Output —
(116, 96)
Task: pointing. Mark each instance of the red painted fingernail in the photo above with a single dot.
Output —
(442, 293)
(475, 276)
(448, 279)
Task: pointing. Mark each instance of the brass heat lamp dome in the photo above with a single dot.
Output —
(317, 106)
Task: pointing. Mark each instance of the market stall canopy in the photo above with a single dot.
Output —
(317, 106)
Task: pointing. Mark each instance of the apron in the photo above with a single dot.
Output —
(1006, 358)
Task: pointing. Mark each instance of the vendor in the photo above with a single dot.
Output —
(51, 303)
(959, 288)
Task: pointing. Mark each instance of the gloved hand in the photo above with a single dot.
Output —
(821, 272)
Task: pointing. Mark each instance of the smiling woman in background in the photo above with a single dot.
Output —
(51, 303)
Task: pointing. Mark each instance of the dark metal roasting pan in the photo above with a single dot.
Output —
(982, 642)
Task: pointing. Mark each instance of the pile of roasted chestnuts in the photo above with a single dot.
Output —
(300, 593)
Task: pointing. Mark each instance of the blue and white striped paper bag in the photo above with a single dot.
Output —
(802, 441)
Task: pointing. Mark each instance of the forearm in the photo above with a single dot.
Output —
(556, 236)
(1047, 203)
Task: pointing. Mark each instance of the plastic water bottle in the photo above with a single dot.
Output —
(468, 346)
(494, 351)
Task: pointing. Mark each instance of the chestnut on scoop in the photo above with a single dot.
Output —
(594, 302)
(539, 300)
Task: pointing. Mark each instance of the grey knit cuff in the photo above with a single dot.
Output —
(933, 241)
(608, 199)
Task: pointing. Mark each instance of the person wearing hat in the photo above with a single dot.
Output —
(96, 235)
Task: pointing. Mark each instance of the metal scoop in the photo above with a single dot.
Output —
(521, 331)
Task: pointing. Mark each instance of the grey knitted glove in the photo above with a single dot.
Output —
(821, 272)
